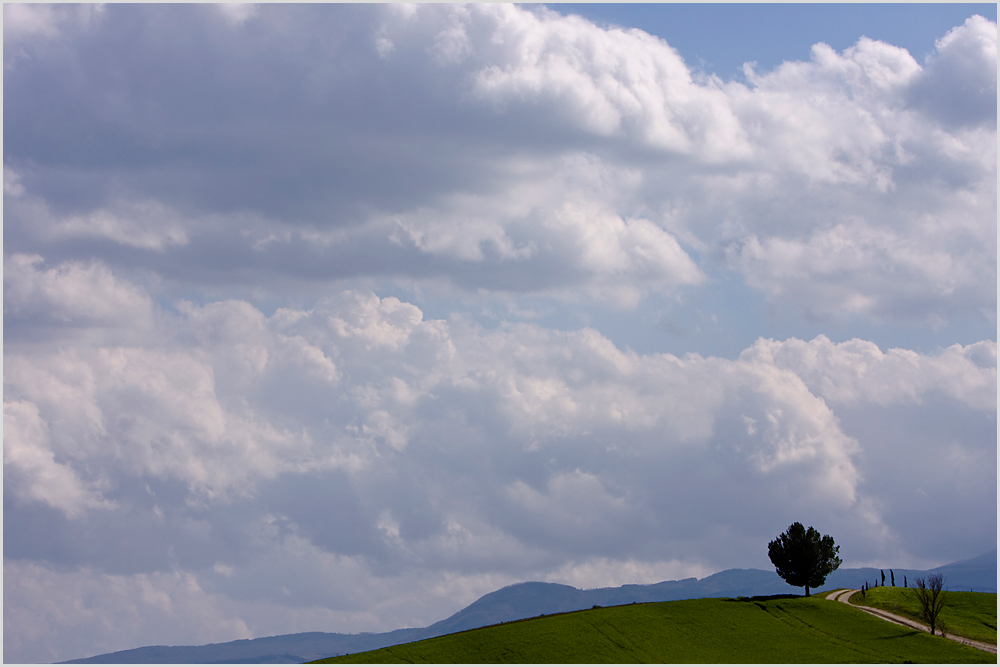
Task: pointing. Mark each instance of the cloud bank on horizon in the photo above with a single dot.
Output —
(313, 314)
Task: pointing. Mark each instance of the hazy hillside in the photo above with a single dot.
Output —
(530, 599)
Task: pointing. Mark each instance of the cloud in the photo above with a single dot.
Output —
(154, 412)
(77, 608)
(153, 234)
(167, 406)
(857, 269)
(72, 294)
(25, 20)
(606, 82)
(30, 467)
(957, 87)
(237, 13)
(857, 371)
(534, 153)
(145, 225)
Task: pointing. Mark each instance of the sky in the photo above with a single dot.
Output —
(338, 317)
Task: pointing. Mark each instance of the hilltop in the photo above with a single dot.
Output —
(716, 630)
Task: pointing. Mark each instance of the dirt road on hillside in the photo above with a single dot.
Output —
(844, 596)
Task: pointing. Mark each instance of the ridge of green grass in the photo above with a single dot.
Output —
(724, 630)
(972, 615)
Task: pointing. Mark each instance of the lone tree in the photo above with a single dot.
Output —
(803, 558)
(931, 598)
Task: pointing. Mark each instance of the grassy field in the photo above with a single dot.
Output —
(972, 615)
(778, 629)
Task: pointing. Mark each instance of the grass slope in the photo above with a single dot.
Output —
(972, 615)
(777, 629)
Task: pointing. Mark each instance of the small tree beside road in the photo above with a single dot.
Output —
(931, 596)
(802, 557)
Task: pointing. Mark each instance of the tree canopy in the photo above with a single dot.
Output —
(802, 557)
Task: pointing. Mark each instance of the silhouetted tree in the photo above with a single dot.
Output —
(892, 578)
(802, 557)
(905, 585)
(931, 598)
(883, 576)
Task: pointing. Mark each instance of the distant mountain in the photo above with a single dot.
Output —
(974, 574)
(534, 599)
(280, 649)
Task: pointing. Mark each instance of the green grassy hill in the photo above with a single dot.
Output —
(777, 629)
(972, 615)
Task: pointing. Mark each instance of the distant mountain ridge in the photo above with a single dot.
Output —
(529, 599)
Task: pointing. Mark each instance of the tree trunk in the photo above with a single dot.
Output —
(807, 591)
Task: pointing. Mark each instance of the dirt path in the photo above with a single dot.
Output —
(843, 596)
